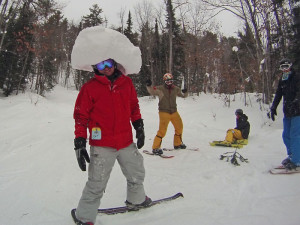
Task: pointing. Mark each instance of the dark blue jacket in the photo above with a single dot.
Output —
(243, 125)
(289, 89)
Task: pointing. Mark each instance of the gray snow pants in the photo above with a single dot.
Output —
(102, 161)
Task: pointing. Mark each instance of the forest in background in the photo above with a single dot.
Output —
(36, 43)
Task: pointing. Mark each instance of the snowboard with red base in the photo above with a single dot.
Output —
(282, 170)
(162, 155)
(181, 149)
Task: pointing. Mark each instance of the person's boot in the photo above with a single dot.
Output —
(157, 151)
(135, 207)
(286, 161)
(290, 166)
(182, 146)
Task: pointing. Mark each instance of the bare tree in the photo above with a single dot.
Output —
(121, 15)
(170, 31)
(6, 17)
(264, 20)
(144, 14)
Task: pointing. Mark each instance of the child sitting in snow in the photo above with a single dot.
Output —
(242, 129)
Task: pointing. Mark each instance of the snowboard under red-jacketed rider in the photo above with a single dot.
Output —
(105, 106)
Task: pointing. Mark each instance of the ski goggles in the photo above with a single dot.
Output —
(109, 63)
(285, 67)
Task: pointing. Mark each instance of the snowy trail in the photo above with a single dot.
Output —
(40, 180)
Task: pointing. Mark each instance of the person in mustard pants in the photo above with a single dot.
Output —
(242, 129)
(167, 107)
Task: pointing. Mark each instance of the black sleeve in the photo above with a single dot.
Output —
(278, 96)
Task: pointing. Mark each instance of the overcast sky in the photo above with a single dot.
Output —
(75, 9)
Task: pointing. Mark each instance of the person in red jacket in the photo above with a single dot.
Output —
(105, 106)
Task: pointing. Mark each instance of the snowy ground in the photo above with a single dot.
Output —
(40, 180)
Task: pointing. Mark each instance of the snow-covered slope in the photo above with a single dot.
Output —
(40, 180)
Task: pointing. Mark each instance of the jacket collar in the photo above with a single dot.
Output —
(105, 80)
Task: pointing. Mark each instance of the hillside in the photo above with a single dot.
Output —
(40, 180)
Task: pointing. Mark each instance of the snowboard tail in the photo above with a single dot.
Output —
(124, 209)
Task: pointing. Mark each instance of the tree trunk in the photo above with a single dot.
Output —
(170, 36)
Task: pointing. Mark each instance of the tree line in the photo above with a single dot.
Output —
(179, 37)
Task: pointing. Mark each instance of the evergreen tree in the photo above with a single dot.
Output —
(16, 54)
(69, 34)
(147, 65)
(176, 43)
(156, 56)
(49, 53)
(128, 32)
(164, 54)
(94, 18)
(90, 20)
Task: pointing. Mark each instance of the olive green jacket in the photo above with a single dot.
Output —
(167, 97)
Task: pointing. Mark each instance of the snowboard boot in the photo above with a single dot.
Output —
(136, 207)
(286, 161)
(157, 151)
(290, 166)
(182, 146)
(78, 222)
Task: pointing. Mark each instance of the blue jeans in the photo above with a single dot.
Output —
(291, 138)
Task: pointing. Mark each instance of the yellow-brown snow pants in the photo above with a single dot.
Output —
(233, 134)
(164, 119)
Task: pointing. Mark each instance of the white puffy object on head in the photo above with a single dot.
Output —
(96, 44)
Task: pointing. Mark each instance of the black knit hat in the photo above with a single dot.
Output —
(238, 112)
(285, 61)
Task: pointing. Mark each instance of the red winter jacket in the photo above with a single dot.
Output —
(110, 107)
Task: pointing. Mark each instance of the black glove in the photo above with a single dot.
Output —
(140, 134)
(184, 90)
(148, 82)
(272, 114)
(81, 153)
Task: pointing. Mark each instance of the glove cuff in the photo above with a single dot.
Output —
(79, 142)
(138, 124)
